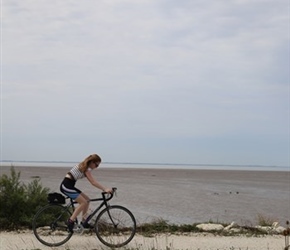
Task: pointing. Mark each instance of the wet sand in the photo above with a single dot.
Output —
(185, 196)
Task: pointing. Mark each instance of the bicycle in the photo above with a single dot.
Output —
(115, 226)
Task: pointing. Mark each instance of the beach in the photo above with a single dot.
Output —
(184, 196)
(180, 196)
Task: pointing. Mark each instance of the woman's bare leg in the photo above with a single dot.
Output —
(86, 207)
(83, 205)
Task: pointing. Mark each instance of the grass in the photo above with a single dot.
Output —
(265, 221)
(162, 226)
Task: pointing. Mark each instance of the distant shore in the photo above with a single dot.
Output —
(150, 165)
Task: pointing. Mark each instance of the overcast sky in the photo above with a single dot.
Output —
(160, 81)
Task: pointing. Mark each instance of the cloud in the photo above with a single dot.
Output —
(146, 72)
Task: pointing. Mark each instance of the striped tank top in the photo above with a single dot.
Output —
(76, 173)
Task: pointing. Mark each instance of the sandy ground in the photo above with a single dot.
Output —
(27, 241)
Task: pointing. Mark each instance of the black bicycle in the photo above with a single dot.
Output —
(115, 226)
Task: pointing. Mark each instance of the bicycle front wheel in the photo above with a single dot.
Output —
(115, 226)
(49, 225)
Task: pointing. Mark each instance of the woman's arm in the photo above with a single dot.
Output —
(95, 183)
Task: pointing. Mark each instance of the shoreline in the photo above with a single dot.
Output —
(128, 165)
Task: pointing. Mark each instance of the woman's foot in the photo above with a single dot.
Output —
(86, 225)
(70, 225)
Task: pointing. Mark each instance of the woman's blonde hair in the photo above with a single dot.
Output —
(86, 162)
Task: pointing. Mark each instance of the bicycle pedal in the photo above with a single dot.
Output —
(78, 229)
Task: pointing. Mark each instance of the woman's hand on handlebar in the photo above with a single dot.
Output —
(108, 190)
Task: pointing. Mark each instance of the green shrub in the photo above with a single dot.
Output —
(19, 202)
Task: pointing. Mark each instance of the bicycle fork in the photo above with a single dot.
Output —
(110, 216)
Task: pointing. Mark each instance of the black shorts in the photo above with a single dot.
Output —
(68, 188)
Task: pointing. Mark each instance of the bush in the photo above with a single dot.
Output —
(19, 202)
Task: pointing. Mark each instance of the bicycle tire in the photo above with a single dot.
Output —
(121, 233)
(49, 225)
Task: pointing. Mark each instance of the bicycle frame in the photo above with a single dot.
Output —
(115, 225)
(104, 200)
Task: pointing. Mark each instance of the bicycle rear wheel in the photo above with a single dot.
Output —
(49, 225)
(115, 226)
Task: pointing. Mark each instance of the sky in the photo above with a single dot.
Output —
(155, 81)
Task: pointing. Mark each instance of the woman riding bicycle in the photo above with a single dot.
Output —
(67, 187)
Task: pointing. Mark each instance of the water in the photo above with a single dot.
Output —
(149, 165)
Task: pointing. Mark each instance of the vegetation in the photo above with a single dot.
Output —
(19, 202)
(265, 221)
(162, 226)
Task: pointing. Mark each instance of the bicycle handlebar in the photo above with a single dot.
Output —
(114, 189)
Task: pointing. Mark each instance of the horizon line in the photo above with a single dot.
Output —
(152, 163)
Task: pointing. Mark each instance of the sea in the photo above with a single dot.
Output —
(149, 165)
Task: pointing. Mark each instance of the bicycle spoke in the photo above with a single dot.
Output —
(115, 226)
(49, 225)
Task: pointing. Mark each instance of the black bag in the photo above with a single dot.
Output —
(56, 198)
